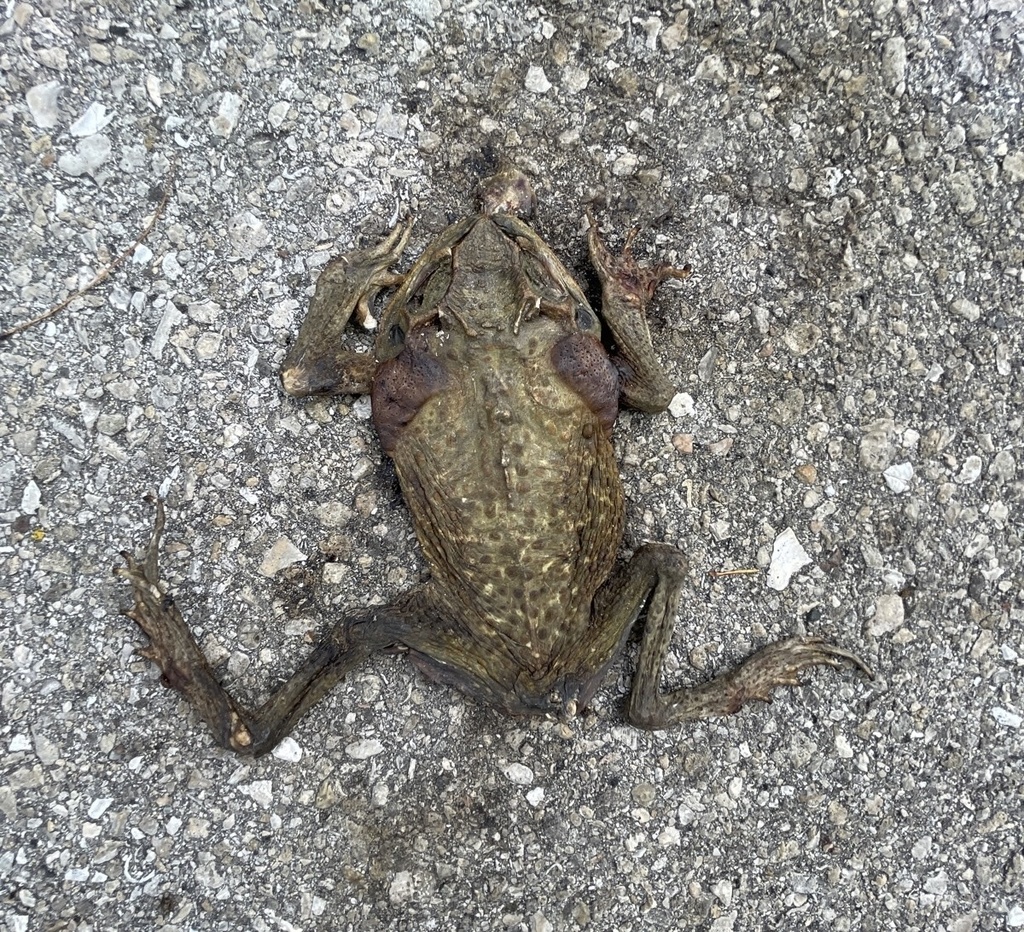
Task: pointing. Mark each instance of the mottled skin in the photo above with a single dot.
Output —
(494, 396)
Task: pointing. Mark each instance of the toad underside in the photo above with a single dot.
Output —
(494, 395)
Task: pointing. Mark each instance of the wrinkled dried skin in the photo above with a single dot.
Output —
(495, 397)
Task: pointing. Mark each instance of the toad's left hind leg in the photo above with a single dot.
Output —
(656, 575)
(185, 668)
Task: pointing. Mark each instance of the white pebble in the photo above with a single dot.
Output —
(171, 267)
(99, 806)
(625, 165)
(91, 153)
(536, 80)
(682, 405)
(894, 62)
(801, 338)
(207, 345)
(673, 37)
(42, 103)
(30, 498)
(712, 68)
(364, 749)
(261, 792)
(282, 554)
(427, 10)
(391, 124)
(91, 830)
(723, 890)
(278, 113)
(669, 837)
(966, 309)
(788, 556)
(971, 471)
(169, 320)
(228, 114)
(153, 90)
(288, 750)
(898, 477)
(1013, 166)
(889, 615)
(1006, 718)
(519, 774)
(248, 234)
(92, 121)
(876, 445)
(402, 888)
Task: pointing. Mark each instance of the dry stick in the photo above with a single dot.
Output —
(103, 274)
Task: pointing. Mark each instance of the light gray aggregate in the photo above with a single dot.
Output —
(847, 182)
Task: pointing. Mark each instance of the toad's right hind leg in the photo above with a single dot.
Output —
(185, 668)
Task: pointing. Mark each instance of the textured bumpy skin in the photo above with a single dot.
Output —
(495, 397)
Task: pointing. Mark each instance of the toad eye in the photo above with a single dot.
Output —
(584, 318)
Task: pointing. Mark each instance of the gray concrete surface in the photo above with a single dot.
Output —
(847, 182)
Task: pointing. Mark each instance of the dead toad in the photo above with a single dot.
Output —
(495, 397)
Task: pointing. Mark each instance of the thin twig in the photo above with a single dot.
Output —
(104, 273)
(744, 571)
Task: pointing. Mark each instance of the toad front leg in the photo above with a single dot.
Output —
(185, 668)
(626, 289)
(318, 363)
(656, 576)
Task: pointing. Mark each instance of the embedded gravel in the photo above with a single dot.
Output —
(847, 182)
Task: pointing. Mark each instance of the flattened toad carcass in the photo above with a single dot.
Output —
(493, 393)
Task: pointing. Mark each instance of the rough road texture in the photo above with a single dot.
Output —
(848, 185)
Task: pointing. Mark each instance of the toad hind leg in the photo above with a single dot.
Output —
(185, 668)
(655, 575)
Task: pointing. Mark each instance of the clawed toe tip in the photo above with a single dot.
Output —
(838, 656)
